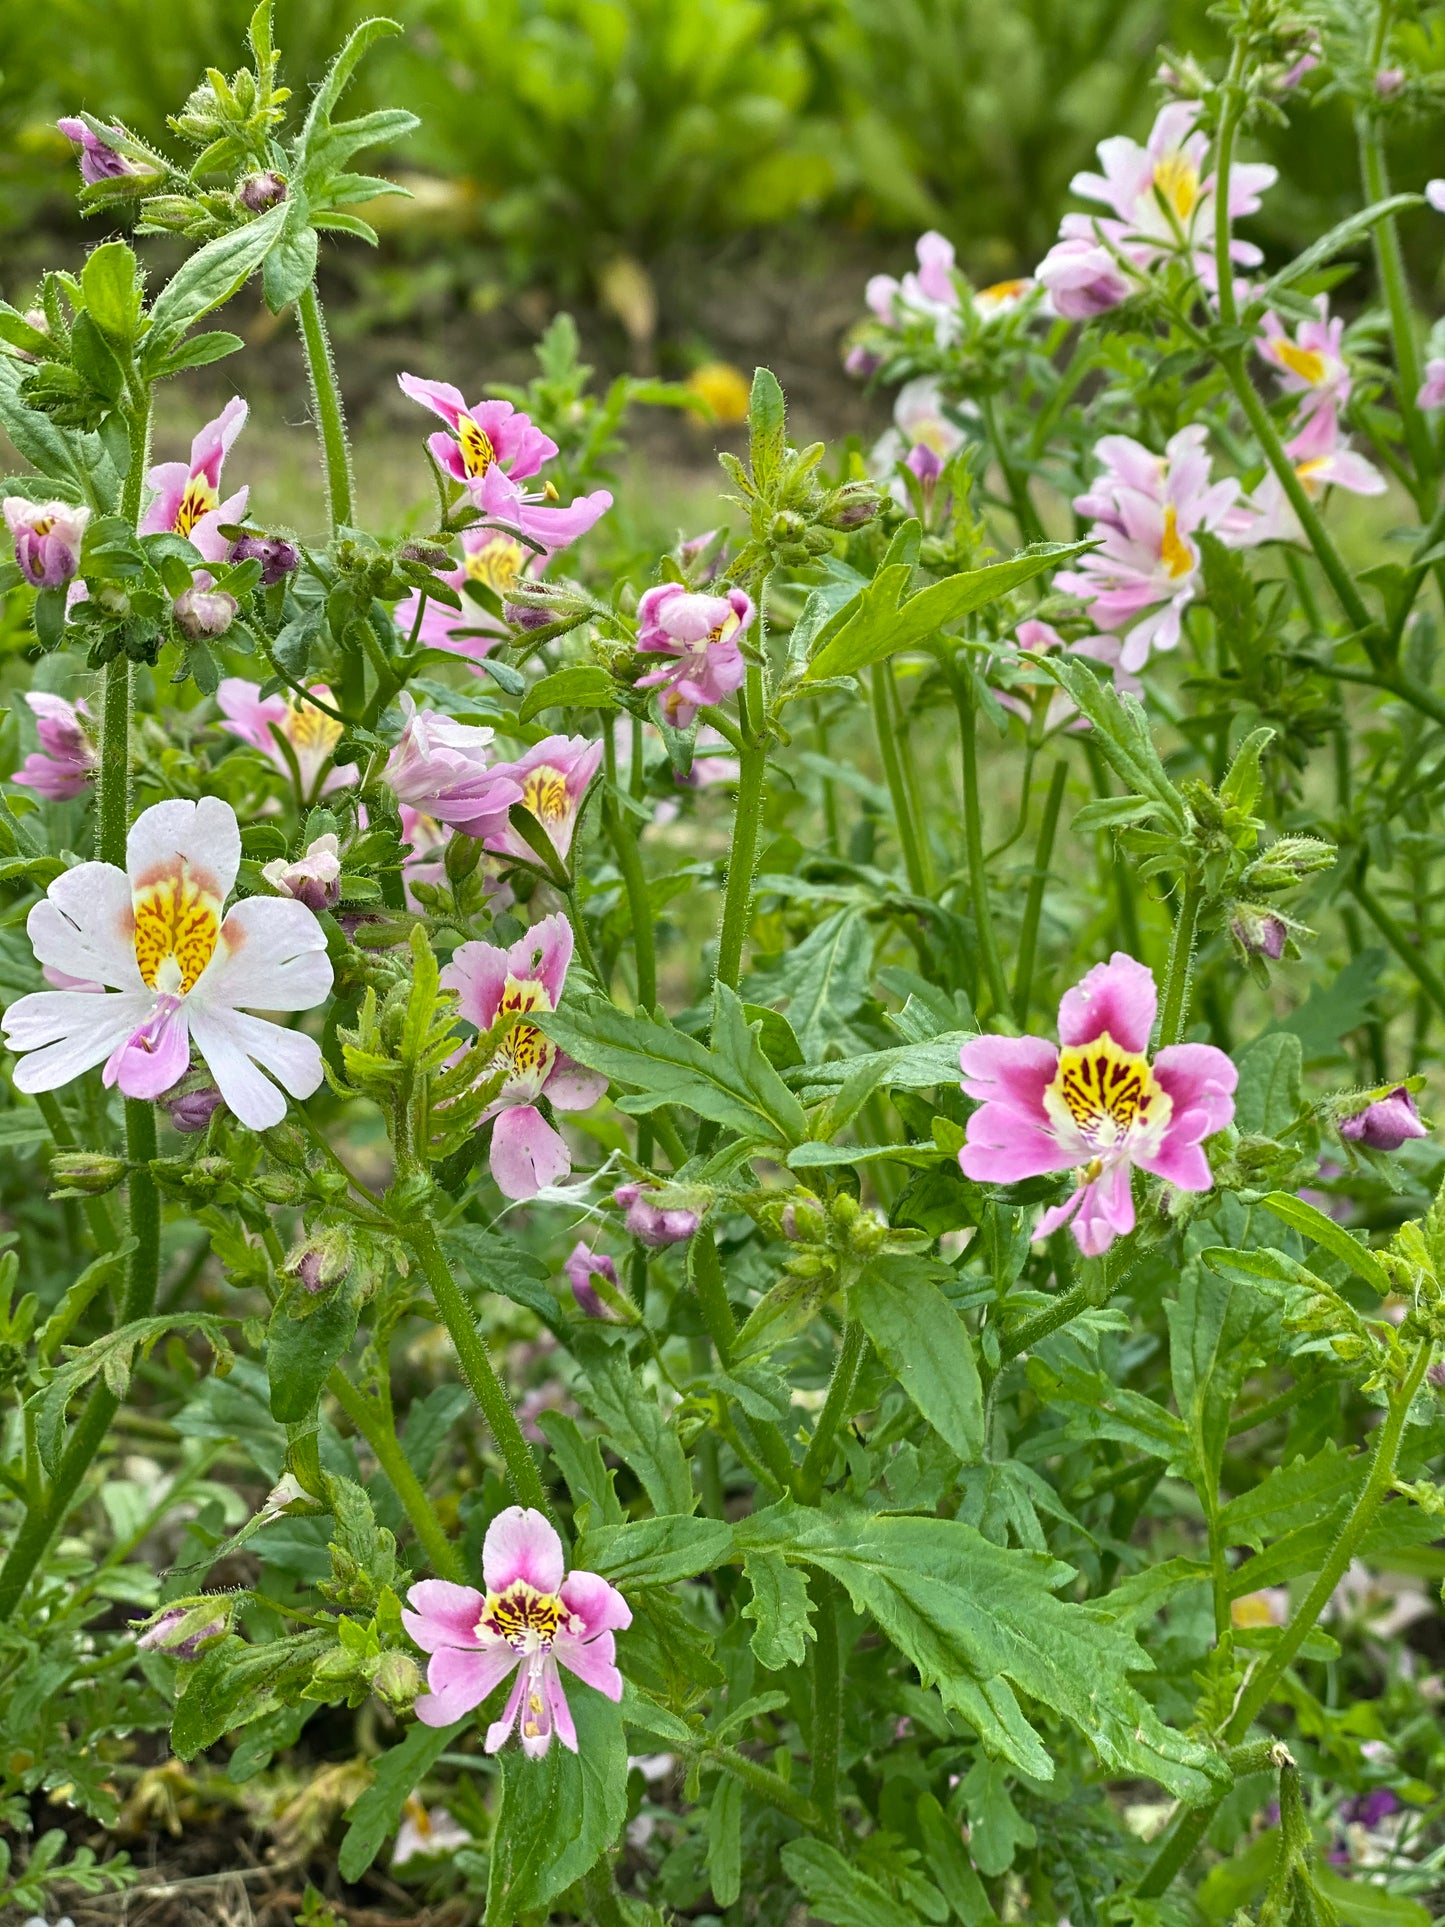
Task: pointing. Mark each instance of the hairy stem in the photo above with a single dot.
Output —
(386, 1450)
(814, 1469)
(1175, 1014)
(1390, 265)
(1034, 903)
(743, 854)
(330, 416)
(960, 679)
(1410, 954)
(910, 840)
(827, 1735)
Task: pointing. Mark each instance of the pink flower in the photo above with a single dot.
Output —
(440, 768)
(99, 161)
(1082, 276)
(1039, 638)
(552, 779)
(1147, 507)
(313, 879)
(1386, 1124)
(66, 758)
(655, 1223)
(701, 632)
(482, 433)
(1095, 1105)
(1311, 361)
(538, 516)
(47, 538)
(527, 1154)
(1322, 459)
(309, 732)
(582, 1267)
(187, 499)
(489, 556)
(1432, 391)
(202, 611)
(930, 294)
(1435, 195)
(528, 1621)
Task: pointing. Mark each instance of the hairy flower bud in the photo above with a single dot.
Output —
(652, 1219)
(87, 1174)
(181, 1631)
(1385, 1124)
(397, 1681)
(192, 1111)
(322, 1261)
(258, 192)
(1259, 932)
(278, 558)
(201, 612)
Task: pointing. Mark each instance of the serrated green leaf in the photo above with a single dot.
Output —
(926, 1346)
(207, 278)
(839, 1893)
(636, 1428)
(300, 1351)
(559, 1814)
(654, 1552)
(780, 1609)
(1313, 1224)
(376, 1814)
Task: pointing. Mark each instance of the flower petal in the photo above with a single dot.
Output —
(500, 1730)
(233, 1044)
(65, 1032)
(1197, 1077)
(1118, 997)
(85, 926)
(527, 1154)
(203, 837)
(593, 1661)
(461, 1681)
(557, 1704)
(155, 1055)
(270, 955)
(478, 974)
(522, 1544)
(599, 1606)
(1011, 1072)
(438, 1613)
(570, 1087)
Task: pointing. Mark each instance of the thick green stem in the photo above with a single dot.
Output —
(330, 416)
(909, 838)
(1390, 264)
(639, 904)
(1030, 528)
(477, 1367)
(827, 1735)
(909, 769)
(1175, 1014)
(386, 1450)
(960, 680)
(1223, 160)
(814, 1469)
(1034, 903)
(1092, 1291)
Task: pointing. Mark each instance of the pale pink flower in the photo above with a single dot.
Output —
(552, 777)
(47, 537)
(177, 970)
(529, 1621)
(527, 1154)
(440, 768)
(314, 878)
(1311, 362)
(99, 161)
(1432, 390)
(701, 633)
(1083, 277)
(426, 1832)
(1386, 1124)
(538, 515)
(1147, 508)
(930, 295)
(924, 435)
(1041, 638)
(1096, 1105)
(309, 731)
(187, 495)
(66, 759)
(203, 612)
(1322, 458)
(482, 433)
(653, 1220)
(581, 1267)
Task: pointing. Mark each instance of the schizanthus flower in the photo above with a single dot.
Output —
(66, 760)
(1386, 1124)
(701, 633)
(531, 1620)
(582, 1267)
(1096, 1105)
(651, 1219)
(309, 732)
(439, 768)
(47, 537)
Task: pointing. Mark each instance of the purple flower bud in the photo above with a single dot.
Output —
(261, 191)
(162, 1637)
(204, 612)
(1385, 1125)
(925, 463)
(277, 558)
(192, 1111)
(861, 361)
(99, 161)
(581, 1268)
(652, 1223)
(1389, 81)
(321, 1261)
(521, 617)
(47, 537)
(1259, 933)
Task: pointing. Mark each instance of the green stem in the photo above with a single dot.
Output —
(1091, 1292)
(112, 816)
(330, 416)
(827, 1734)
(1034, 903)
(639, 903)
(1390, 264)
(908, 768)
(909, 839)
(1223, 159)
(585, 953)
(960, 679)
(1175, 1014)
(816, 1460)
(1398, 939)
(1020, 501)
(743, 854)
(477, 1368)
(386, 1450)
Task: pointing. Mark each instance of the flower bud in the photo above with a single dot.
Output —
(852, 505)
(192, 1111)
(581, 1268)
(1288, 861)
(652, 1220)
(521, 617)
(803, 1222)
(1259, 932)
(427, 553)
(313, 879)
(1385, 1124)
(181, 1631)
(278, 558)
(258, 192)
(175, 211)
(861, 361)
(85, 1174)
(321, 1262)
(397, 1681)
(204, 612)
(1389, 81)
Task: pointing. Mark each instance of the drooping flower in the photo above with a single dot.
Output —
(1432, 389)
(1311, 361)
(1322, 459)
(700, 632)
(66, 759)
(202, 611)
(1096, 1105)
(526, 1152)
(1386, 1124)
(314, 878)
(553, 777)
(651, 1219)
(1146, 509)
(99, 161)
(439, 768)
(187, 495)
(310, 732)
(482, 434)
(582, 1267)
(530, 1620)
(931, 294)
(498, 561)
(47, 537)
(177, 970)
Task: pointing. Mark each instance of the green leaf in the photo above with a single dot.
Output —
(1314, 1225)
(232, 1684)
(824, 980)
(907, 1067)
(495, 1263)
(199, 352)
(636, 1428)
(767, 428)
(880, 626)
(654, 1552)
(780, 1609)
(950, 1865)
(1217, 1329)
(588, 1480)
(724, 1840)
(585, 685)
(839, 1893)
(1344, 234)
(207, 278)
(732, 1083)
(1122, 732)
(1268, 1098)
(64, 454)
(559, 1814)
(290, 262)
(112, 297)
(926, 1345)
(1359, 1904)
(300, 1351)
(978, 1620)
(376, 1814)
(996, 1829)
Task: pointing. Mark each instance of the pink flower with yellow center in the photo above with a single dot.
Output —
(174, 969)
(309, 732)
(1095, 1104)
(1311, 361)
(701, 633)
(47, 537)
(527, 1154)
(482, 433)
(553, 777)
(533, 1618)
(1322, 459)
(931, 294)
(440, 769)
(187, 495)
(538, 515)
(66, 760)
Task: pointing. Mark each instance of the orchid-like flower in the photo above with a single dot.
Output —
(930, 295)
(1311, 361)
(701, 633)
(1322, 459)
(176, 969)
(492, 557)
(1082, 275)
(440, 768)
(99, 161)
(490, 983)
(482, 433)
(924, 434)
(1096, 1105)
(529, 1621)
(47, 537)
(552, 777)
(654, 1221)
(582, 1267)
(66, 759)
(314, 878)
(1147, 508)
(187, 495)
(310, 732)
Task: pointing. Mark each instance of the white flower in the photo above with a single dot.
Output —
(431, 1831)
(174, 972)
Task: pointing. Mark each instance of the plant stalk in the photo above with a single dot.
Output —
(808, 1483)
(386, 1450)
(909, 838)
(1034, 903)
(330, 415)
(1175, 1014)
(960, 680)
(827, 1734)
